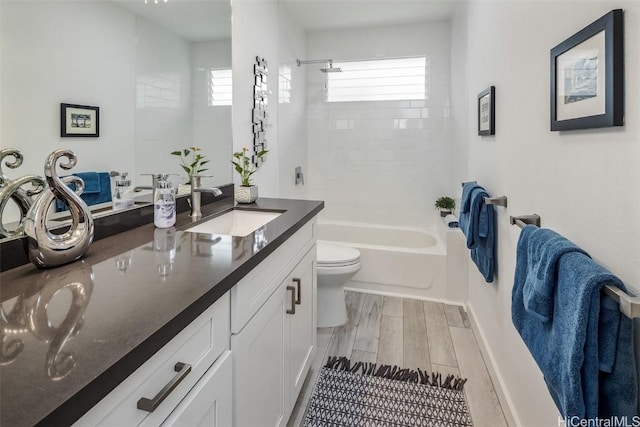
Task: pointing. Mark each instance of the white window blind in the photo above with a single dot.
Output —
(378, 80)
(220, 87)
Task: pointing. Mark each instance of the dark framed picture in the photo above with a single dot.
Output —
(79, 121)
(487, 112)
(587, 76)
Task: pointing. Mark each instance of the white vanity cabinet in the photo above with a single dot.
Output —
(187, 362)
(274, 348)
(242, 362)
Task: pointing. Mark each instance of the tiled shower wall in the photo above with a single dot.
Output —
(381, 162)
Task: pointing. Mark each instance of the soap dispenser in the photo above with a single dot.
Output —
(123, 194)
(164, 203)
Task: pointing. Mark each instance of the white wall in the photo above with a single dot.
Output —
(211, 124)
(398, 151)
(582, 183)
(255, 33)
(292, 107)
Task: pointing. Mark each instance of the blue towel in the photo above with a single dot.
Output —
(97, 189)
(467, 188)
(544, 249)
(586, 350)
(478, 226)
(451, 221)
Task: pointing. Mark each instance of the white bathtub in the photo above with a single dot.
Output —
(395, 260)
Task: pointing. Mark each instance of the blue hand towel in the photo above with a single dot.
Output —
(586, 350)
(475, 222)
(483, 252)
(544, 249)
(97, 189)
(478, 226)
(467, 188)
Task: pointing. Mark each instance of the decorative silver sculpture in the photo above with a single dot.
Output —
(12, 190)
(45, 248)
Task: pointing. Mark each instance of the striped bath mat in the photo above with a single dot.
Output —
(364, 394)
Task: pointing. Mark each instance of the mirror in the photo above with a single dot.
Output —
(159, 71)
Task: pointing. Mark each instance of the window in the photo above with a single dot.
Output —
(378, 80)
(220, 88)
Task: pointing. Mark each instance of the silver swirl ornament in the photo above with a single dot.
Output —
(12, 190)
(46, 249)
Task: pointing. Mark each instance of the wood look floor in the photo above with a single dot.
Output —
(408, 333)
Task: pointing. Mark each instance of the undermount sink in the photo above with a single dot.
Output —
(236, 223)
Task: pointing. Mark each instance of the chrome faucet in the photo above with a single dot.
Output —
(196, 189)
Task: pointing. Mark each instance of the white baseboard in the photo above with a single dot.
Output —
(376, 289)
(490, 362)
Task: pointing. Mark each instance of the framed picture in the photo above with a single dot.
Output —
(79, 121)
(487, 112)
(587, 76)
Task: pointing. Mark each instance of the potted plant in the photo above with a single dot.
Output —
(246, 193)
(192, 166)
(445, 205)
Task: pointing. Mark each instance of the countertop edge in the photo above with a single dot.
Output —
(82, 401)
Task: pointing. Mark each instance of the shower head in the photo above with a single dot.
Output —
(329, 69)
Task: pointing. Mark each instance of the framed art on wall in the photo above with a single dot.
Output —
(79, 121)
(587, 73)
(487, 112)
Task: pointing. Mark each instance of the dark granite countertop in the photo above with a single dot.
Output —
(70, 335)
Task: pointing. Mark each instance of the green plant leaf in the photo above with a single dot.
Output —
(186, 152)
(186, 169)
(238, 169)
(262, 153)
(204, 162)
(176, 153)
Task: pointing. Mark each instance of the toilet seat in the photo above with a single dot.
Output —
(330, 255)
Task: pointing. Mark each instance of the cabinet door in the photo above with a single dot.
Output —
(208, 404)
(258, 367)
(302, 324)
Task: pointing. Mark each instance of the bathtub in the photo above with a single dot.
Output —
(402, 261)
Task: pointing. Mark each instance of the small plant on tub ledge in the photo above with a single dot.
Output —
(445, 205)
(246, 193)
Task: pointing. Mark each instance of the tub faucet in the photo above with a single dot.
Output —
(196, 189)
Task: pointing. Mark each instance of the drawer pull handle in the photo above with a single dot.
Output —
(292, 310)
(299, 297)
(150, 405)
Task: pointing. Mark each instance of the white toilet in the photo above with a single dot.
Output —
(337, 264)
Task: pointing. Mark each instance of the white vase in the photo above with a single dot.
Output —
(246, 194)
(184, 189)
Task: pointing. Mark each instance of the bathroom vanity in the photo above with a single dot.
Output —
(191, 327)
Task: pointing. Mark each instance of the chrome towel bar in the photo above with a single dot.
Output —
(498, 201)
(523, 220)
(629, 306)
